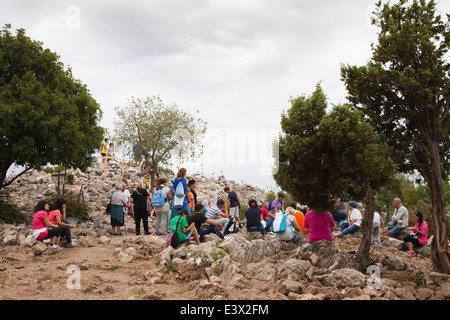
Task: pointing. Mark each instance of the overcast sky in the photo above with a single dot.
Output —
(236, 62)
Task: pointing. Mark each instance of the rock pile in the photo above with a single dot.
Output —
(35, 185)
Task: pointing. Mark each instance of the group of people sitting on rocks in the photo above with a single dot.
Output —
(177, 209)
(397, 227)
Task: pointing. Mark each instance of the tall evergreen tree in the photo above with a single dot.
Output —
(336, 154)
(404, 91)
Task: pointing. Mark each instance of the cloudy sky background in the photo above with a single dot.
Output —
(236, 62)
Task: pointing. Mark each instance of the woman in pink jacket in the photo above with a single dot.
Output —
(418, 236)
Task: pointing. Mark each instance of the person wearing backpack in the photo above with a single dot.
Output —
(291, 231)
(180, 191)
(139, 198)
(160, 202)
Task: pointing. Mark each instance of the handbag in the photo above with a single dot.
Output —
(172, 239)
(108, 206)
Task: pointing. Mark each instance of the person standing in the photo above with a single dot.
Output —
(378, 224)
(162, 213)
(191, 186)
(118, 207)
(180, 200)
(104, 151)
(140, 198)
(234, 204)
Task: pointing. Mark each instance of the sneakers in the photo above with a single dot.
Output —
(54, 246)
(71, 245)
(411, 253)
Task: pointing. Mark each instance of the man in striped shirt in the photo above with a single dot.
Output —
(215, 213)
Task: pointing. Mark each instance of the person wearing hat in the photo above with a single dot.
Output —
(353, 224)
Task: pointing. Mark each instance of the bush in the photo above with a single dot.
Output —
(75, 208)
(9, 212)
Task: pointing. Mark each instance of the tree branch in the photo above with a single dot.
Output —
(15, 178)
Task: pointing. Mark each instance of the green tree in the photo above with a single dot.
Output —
(405, 90)
(326, 155)
(46, 116)
(160, 132)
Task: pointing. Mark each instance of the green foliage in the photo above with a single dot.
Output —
(404, 92)
(75, 207)
(404, 89)
(9, 212)
(46, 116)
(161, 132)
(326, 155)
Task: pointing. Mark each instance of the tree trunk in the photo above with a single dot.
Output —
(440, 254)
(363, 253)
(5, 165)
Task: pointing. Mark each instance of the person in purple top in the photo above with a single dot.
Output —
(275, 205)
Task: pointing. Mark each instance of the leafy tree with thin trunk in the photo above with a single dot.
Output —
(46, 116)
(404, 91)
(160, 133)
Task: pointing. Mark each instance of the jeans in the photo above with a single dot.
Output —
(254, 229)
(269, 225)
(395, 229)
(210, 229)
(345, 229)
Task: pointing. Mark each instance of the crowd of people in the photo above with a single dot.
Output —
(177, 209)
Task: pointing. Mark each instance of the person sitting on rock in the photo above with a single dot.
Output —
(418, 236)
(43, 228)
(254, 218)
(399, 220)
(184, 230)
(199, 220)
(353, 224)
(319, 225)
(293, 231)
(215, 213)
(58, 216)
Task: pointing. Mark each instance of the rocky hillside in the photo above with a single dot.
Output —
(242, 267)
(38, 185)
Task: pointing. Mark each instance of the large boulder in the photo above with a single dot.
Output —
(348, 278)
(245, 251)
(324, 254)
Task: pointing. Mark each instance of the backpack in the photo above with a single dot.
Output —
(270, 206)
(279, 223)
(179, 191)
(234, 227)
(158, 199)
(178, 200)
(172, 239)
